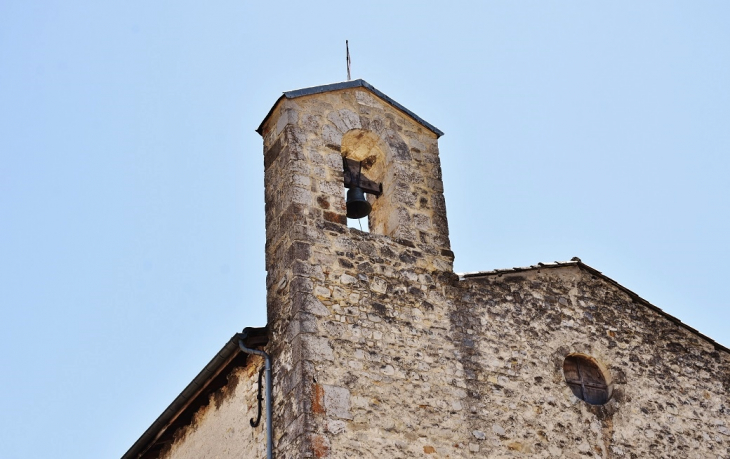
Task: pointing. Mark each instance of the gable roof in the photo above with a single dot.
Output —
(575, 261)
(347, 85)
(196, 394)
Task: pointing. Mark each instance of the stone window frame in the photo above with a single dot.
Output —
(602, 370)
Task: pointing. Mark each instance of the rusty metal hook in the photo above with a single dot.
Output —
(260, 398)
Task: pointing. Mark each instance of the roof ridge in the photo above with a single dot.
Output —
(554, 264)
(575, 261)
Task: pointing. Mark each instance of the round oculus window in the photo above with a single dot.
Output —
(585, 379)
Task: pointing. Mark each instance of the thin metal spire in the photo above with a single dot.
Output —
(347, 46)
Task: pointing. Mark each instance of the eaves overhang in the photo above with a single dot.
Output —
(197, 394)
(347, 85)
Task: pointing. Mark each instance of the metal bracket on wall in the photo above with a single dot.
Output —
(260, 398)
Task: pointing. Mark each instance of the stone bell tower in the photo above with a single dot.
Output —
(347, 308)
(380, 351)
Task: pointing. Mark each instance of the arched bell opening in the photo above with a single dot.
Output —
(364, 164)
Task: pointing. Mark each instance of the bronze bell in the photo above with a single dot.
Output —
(357, 205)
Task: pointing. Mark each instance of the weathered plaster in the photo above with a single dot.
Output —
(221, 429)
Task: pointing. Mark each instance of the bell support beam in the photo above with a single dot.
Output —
(352, 174)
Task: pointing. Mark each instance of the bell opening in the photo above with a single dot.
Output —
(361, 224)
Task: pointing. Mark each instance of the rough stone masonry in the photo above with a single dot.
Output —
(380, 350)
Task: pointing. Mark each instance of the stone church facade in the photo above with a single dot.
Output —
(380, 350)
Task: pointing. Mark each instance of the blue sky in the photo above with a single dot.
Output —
(131, 178)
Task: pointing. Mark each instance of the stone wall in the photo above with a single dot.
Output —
(380, 351)
(413, 363)
(308, 245)
(670, 386)
(221, 429)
